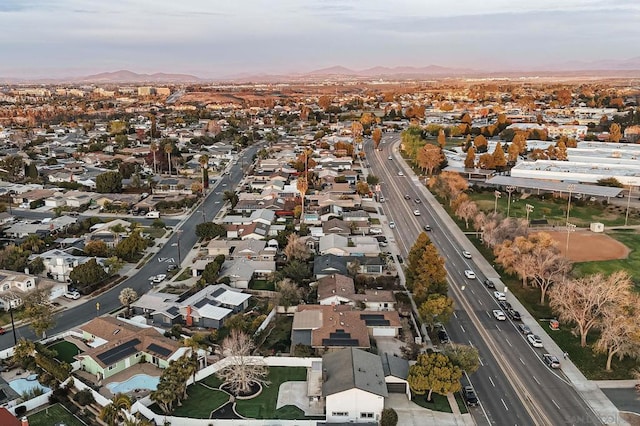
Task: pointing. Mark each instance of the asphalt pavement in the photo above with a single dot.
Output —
(513, 384)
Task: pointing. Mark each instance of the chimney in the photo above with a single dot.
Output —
(24, 421)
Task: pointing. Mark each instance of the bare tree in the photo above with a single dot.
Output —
(467, 210)
(549, 268)
(585, 300)
(289, 294)
(242, 370)
(296, 249)
(620, 331)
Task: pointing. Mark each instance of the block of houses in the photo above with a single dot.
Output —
(242, 271)
(339, 289)
(326, 327)
(117, 345)
(336, 226)
(353, 386)
(14, 286)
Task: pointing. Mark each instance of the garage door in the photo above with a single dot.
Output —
(397, 387)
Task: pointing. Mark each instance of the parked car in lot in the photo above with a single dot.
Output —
(470, 274)
(172, 267)
(470, 396)
(534, 340)
(524, 329)
(466, 254)
(74, 295)
(499, 315)
(551, 361)
(489, 284)
(499, 295)
(375, 231)
(159, 278)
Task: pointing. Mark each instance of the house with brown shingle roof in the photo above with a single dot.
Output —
(117, 345)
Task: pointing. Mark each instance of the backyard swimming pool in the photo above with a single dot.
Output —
(139, 381)
(26, 384)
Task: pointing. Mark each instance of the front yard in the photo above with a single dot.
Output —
(66, 351)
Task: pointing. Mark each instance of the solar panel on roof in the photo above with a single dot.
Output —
(159, 349)
(202, 302)
(340, 342)
(122, 351)
(218, 292)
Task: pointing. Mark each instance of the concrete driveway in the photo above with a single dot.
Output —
(389, 345)
(412, 414)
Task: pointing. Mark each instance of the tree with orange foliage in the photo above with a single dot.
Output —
(442, 140)
(480, 142)
(376, 136)
(470, 159)
(614, 133)
(429, 158)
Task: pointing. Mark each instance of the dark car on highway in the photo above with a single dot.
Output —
(489, 284)
(443, 336)
(470, 396)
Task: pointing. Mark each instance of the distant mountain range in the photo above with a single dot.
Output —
(624, 68)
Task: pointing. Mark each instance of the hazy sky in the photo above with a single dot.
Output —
(221, 38)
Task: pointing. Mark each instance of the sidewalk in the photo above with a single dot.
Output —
(588, 390)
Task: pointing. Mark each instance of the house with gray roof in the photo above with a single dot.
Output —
(396, 371)
(353, 386)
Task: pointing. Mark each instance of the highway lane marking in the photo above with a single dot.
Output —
(462, 328)
(505, 404)
(492, 384)
(508, 342)
(498, 327)
(554, 403)
(521, 361)
(471, 344)
(455, 315)
(536, 380)
(481, 363)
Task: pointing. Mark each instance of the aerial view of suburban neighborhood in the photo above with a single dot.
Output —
(284, 241)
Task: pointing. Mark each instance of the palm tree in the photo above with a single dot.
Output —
(127, 297)
(168, 149)
(112, 414)
(116, 230)
(204, 162)
(154, 149)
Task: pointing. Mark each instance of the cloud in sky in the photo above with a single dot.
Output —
(63, 37)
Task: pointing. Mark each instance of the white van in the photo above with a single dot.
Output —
(153, 214)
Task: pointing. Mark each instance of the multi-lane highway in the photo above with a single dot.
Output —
(513, 384)
(182, 240)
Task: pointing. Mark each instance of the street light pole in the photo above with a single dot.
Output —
(570, 228)
(497, 194)
(571, 188)
(529, 209)
(626, 217)
(510, 189)
(179, 255)
(13, 325)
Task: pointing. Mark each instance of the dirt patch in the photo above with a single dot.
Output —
(587, 246)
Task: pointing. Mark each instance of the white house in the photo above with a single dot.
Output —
(353, 386)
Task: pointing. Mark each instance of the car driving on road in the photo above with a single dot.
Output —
(427, 228)
(416, 212)
(417, 201)
(499, 315)
(489, 284)
(524, 329)
(514, 315)
(470, 274)
(466, 254)
(392, 224)
(400, 174)
(407, 197)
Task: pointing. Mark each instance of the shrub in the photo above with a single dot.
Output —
(389, 417)
(84, 397)
(20, 410)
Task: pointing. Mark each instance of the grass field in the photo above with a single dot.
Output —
(262, 285)
(66, 351)
(264, 405)
(56, 414)
(279, 338)
(629, 238)
(555, 209)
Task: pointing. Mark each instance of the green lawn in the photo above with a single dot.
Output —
(200, 403)
(438, 402)
(66, 351)
(53, 415)
(262, 285)
(555, 209)
(461, 405)
(264, 405)
(154, 232)
(629, 238)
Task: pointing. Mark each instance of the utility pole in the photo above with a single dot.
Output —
(497, 194)
(529, 209)
(510, 189)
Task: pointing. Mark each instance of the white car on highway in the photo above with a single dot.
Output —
(416, 212)
(499, 315)
(470, 274)
(499, 295)
(466, 254)
(400, 174)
